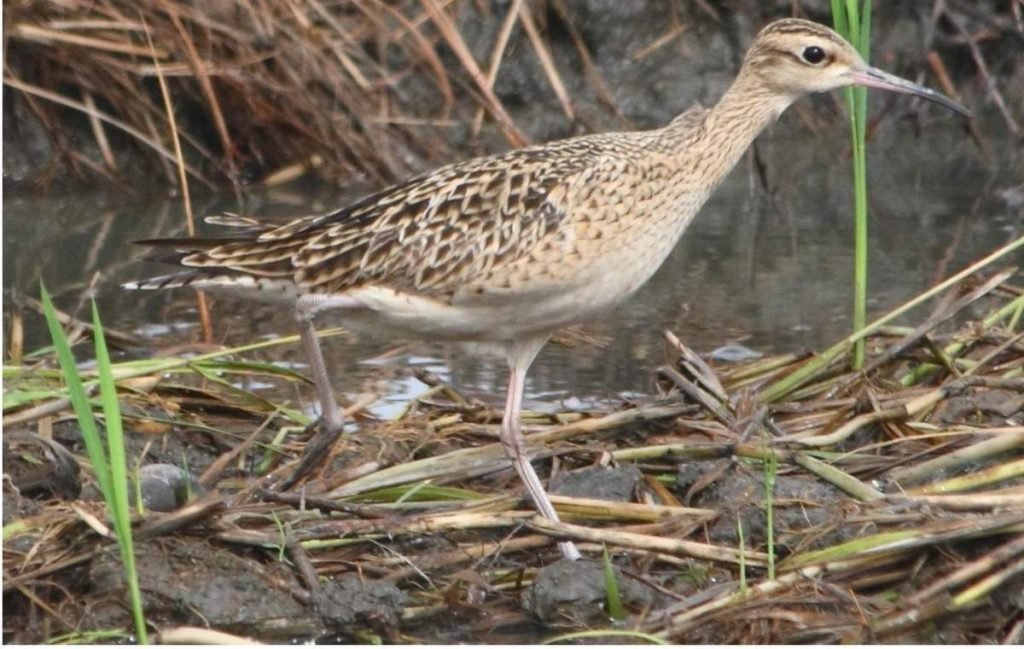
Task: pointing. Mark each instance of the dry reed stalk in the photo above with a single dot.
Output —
(454, 39)
(596, 509)
(471, 462)
(203, 310)
(643, 542)
(230, 152)
(348, 83)
(497, 54)
(594, 77)
(547, 62)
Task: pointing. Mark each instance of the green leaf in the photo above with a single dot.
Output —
(613, 599)
(17, 398)
(79, 400)
(839, 18)
(864, 46)
(118, 473)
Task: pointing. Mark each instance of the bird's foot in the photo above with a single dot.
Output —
(570, 551)
(317, 449)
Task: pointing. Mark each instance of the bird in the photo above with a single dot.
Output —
(501, 251)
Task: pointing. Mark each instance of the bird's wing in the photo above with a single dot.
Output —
(432, 234)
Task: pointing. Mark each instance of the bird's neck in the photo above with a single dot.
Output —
(730, 127)
(746, 108)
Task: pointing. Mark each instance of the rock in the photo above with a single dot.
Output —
(166, 487)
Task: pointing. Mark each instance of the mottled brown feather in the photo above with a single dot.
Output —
(431, 234)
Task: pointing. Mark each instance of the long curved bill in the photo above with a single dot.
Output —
(875, 78)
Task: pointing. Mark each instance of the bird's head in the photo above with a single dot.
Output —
(795, 57)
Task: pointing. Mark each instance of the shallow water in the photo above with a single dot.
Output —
(765, 268)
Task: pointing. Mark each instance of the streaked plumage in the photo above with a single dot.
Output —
(505, 249)
(489, 235)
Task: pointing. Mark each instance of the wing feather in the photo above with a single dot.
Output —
(433, 234)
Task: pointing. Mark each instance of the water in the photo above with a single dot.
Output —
(765, 268)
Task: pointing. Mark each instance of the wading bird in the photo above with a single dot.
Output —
(503, 250)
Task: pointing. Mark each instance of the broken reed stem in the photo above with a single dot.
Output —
(647, 543)
(472, 462)
(980, 451)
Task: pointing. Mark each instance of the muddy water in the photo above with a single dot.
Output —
(765, 266)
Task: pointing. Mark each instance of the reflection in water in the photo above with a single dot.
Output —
(766, 269)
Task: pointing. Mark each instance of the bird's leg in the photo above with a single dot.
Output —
(331, 419)
(519, 360)
(330, 413)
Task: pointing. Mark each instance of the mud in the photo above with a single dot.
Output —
(573, 594)
(605, 483)
(188, 581)
(807, 512)
(350, 600)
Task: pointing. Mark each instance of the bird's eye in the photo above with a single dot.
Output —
(814, 55)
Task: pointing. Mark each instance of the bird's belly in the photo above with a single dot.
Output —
(497, 318)
(529, 301)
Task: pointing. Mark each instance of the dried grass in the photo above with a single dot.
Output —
(923, 455)
(260, 88)
(267, 91)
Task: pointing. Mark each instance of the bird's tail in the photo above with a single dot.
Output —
(262, 288)
(262, 283)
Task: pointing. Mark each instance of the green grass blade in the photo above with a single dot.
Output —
(420, 491)
(121, 512)
(115, 430)
(854, 24)
(102, 636)
(14, 399)
(613, 599)
(864, 46)
(771, 468)
(76, 393)
(148, 366)
(839, 17)
(793, 380)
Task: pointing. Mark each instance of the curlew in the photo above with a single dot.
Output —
(503, 250)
